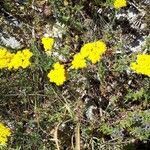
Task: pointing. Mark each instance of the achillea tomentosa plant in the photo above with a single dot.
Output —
(92, 51)
(4, 134)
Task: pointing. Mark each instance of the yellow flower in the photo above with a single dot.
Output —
(47, 43)
(99, 47)
(94, 57)
(86, 50)
(20, 59)
(25, 64)
(5, 58)
(92, 51)
(26, 57)
(142, 64)
(78, 62)
(4, 134)
(58, 74)
(120, 3)
(27, 53)
(14, 61)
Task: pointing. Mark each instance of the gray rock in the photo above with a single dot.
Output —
(10, 41)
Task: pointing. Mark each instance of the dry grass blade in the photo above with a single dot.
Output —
(77, 137)
(55, 136)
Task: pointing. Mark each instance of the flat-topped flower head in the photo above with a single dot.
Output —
(120, 3)
(27, 53)
(100, 47)
(78, 62)
(20, 59)
(58, 74)
(90, 51)
(86, 49)
(5, 58)
(4, 134)
(47, 43)
(15, 60)
(142, 64)
(94, 57)
(58, 66)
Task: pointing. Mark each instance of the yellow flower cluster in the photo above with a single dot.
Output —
(47, 43)
(120, 3)
(5, 58)
(20, 59)
(90, 51)
(78, 62)
(4, 134)
(142, 64)
(58, 74)
(14, 61)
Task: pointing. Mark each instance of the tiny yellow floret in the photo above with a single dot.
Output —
(120, 3)
(47, 43)
(142, 64)
(58, 74)
(4, 134)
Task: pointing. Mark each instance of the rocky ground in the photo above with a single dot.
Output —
(104, 106)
